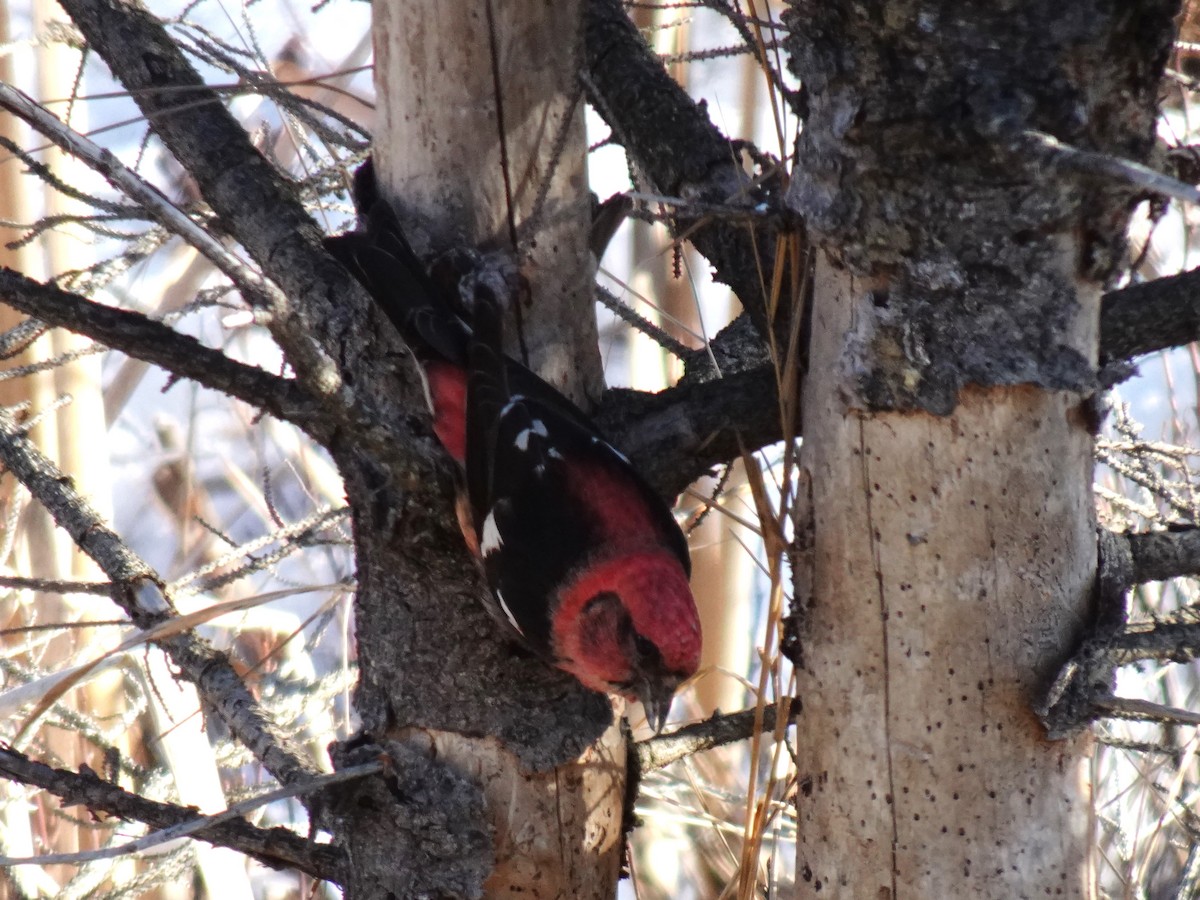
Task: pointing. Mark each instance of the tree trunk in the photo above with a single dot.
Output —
(480, 132)
(511, 776)
(952, 559)
(949, 557)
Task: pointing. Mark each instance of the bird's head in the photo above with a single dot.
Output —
(629, 626)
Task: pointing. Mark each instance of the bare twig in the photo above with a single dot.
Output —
(54, 586)
(17, 338)
(290, 537)
(1176, 495)
(1165, 641)
(265, 84)
(715, 732)
(696, 207)
(138, 590)
(754, 40)
(276, 847)
(1145, 711)
(255, 288)
(73, 514)
(64, 626)
(1090, 162)
(635, 319)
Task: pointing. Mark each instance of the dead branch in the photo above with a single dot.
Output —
(1052, 151)
(1159, 555)
(1146, 711)
(680, 151)
(714, 732)
(275, 847)
(244, 560)
(138, 590)
(1082, 691)
(1144, 318)
(1164, 641)
(256, 289)
(677, 435)
(249, 196)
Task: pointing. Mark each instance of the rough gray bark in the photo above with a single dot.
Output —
(925, 200)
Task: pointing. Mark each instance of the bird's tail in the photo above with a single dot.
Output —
(383, 261)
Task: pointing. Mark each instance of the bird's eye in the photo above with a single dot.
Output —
(646, 648)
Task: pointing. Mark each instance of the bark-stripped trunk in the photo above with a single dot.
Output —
(952, 559)
(451, 75)
(950, 555)
(511, 777)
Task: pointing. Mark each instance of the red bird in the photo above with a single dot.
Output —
(585, 561)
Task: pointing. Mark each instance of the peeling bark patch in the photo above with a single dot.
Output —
(929, 344)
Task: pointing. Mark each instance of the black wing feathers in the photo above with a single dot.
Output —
(523, 449)
(521, 432)
(488, 397)
(382, 260)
